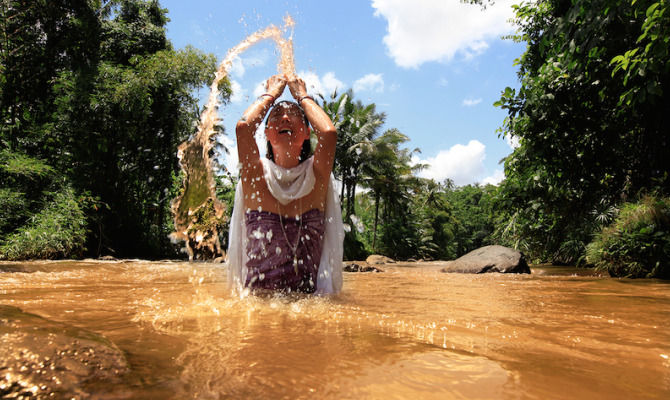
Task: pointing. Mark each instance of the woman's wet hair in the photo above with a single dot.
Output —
(306, 151)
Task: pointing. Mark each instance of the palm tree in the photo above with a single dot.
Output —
(356, 125)
(389, 174)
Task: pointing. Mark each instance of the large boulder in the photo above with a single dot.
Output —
(490, 259)
(377, 259)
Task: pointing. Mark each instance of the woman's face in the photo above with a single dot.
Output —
(286, 129)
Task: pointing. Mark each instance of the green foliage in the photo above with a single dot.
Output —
(354, 248)
(94, 93)
(433, 220)
(39, 39)
(591, 118)
(19, 164)
(357, 125)
(388, 173)
(637, 244)
(473, 223)
(58, 230)
(400, 215)
(646, 66)
(23, 183)
(12, 204)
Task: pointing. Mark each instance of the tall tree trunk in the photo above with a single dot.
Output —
(374, 230)
(352, 203)
(351, 193)
(342, 192)
(349, 201)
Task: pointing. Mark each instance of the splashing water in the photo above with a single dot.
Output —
(198, 214)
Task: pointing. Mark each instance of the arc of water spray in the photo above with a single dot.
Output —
(201, 237)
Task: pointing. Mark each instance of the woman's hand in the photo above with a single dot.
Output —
(275, 85)
(297, 87)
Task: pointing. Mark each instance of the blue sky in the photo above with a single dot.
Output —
(435, 67)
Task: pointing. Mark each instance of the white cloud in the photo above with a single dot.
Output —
(230, 160)
(370, 82)
(494, 179)
(237, 68)
(239, 94)
(475, 49)
(259, 89)
(325, 85)
(512, 141)
(461, 163)
(443, 81)
(471, 102)
(331, 83)
(436, 30)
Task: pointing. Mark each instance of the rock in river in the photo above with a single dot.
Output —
(359, 266)
(490, 259)
(377, 259)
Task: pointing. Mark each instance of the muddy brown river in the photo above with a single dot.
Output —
(138, 330)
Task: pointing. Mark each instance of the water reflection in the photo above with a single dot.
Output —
(407, 332)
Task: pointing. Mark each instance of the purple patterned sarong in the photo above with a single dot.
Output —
(271, 263)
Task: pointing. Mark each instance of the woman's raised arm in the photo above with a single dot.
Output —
(324, 154)
(247, 149)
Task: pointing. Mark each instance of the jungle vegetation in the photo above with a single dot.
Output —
(94, 101)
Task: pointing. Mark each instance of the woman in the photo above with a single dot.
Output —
(286, 229)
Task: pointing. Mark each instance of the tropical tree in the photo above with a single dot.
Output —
(473, 217)
(95, 91)
(42, 215)
(433, 220)
(591, 118)
(389, 174)
(356, 124)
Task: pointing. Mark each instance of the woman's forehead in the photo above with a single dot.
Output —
(286, 108)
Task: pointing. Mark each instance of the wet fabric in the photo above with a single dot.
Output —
(287, 185)
(272, 263)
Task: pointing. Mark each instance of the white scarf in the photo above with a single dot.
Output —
(286, 185)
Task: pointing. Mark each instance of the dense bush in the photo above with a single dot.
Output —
(58, 230)
(637, 244)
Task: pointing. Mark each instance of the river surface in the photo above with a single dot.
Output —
(137, 329)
